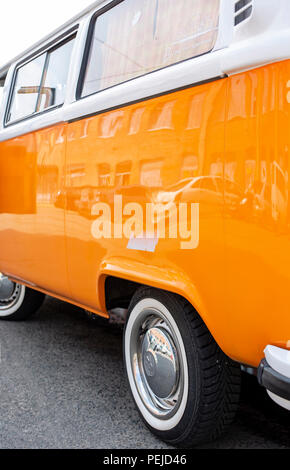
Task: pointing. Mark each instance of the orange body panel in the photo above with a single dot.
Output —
(257, 229)
(232, 136)
(146, 147)
(32, 236)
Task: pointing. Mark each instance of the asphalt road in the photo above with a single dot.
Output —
(63, 386)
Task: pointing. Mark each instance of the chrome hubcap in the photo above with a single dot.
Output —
(160, 362)
(157, 365)
(9, 293)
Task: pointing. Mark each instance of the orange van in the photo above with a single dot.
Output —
(144, 170)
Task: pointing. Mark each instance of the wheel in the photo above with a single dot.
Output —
(185, 388)
(17, 302)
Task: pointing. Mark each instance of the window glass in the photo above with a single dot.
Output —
(26, 89)
(139, 36)
(41, 83)
(54, 82)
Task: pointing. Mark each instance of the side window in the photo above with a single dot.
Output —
(54, 81)
(41, 83)
(26, 89)
(140, 36)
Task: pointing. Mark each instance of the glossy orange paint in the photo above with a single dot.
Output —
(224, 145)
(257, 229)
(140, 152)
(32, 236)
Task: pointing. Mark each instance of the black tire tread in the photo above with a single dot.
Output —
(220, 378)
(32, 302)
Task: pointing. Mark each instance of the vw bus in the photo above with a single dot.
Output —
(144, 168)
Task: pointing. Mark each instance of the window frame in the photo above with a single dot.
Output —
(2, 85)
(50, 47)
(87, 49)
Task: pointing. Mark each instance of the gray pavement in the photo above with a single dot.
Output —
(62, 385)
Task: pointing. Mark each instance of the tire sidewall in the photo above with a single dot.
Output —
(189, 406)
(10, 312)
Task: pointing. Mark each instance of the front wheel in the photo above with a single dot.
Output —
(185, 388)
(17, 302)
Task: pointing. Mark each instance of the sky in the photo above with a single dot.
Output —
(24, 22)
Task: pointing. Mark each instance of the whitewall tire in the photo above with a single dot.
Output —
(17, 302)
(185, 389)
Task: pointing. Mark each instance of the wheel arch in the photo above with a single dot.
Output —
(123, 274)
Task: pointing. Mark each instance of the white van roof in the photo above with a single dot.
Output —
(4, 69)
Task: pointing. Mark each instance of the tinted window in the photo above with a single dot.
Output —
(139, 36)
(41, 83)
